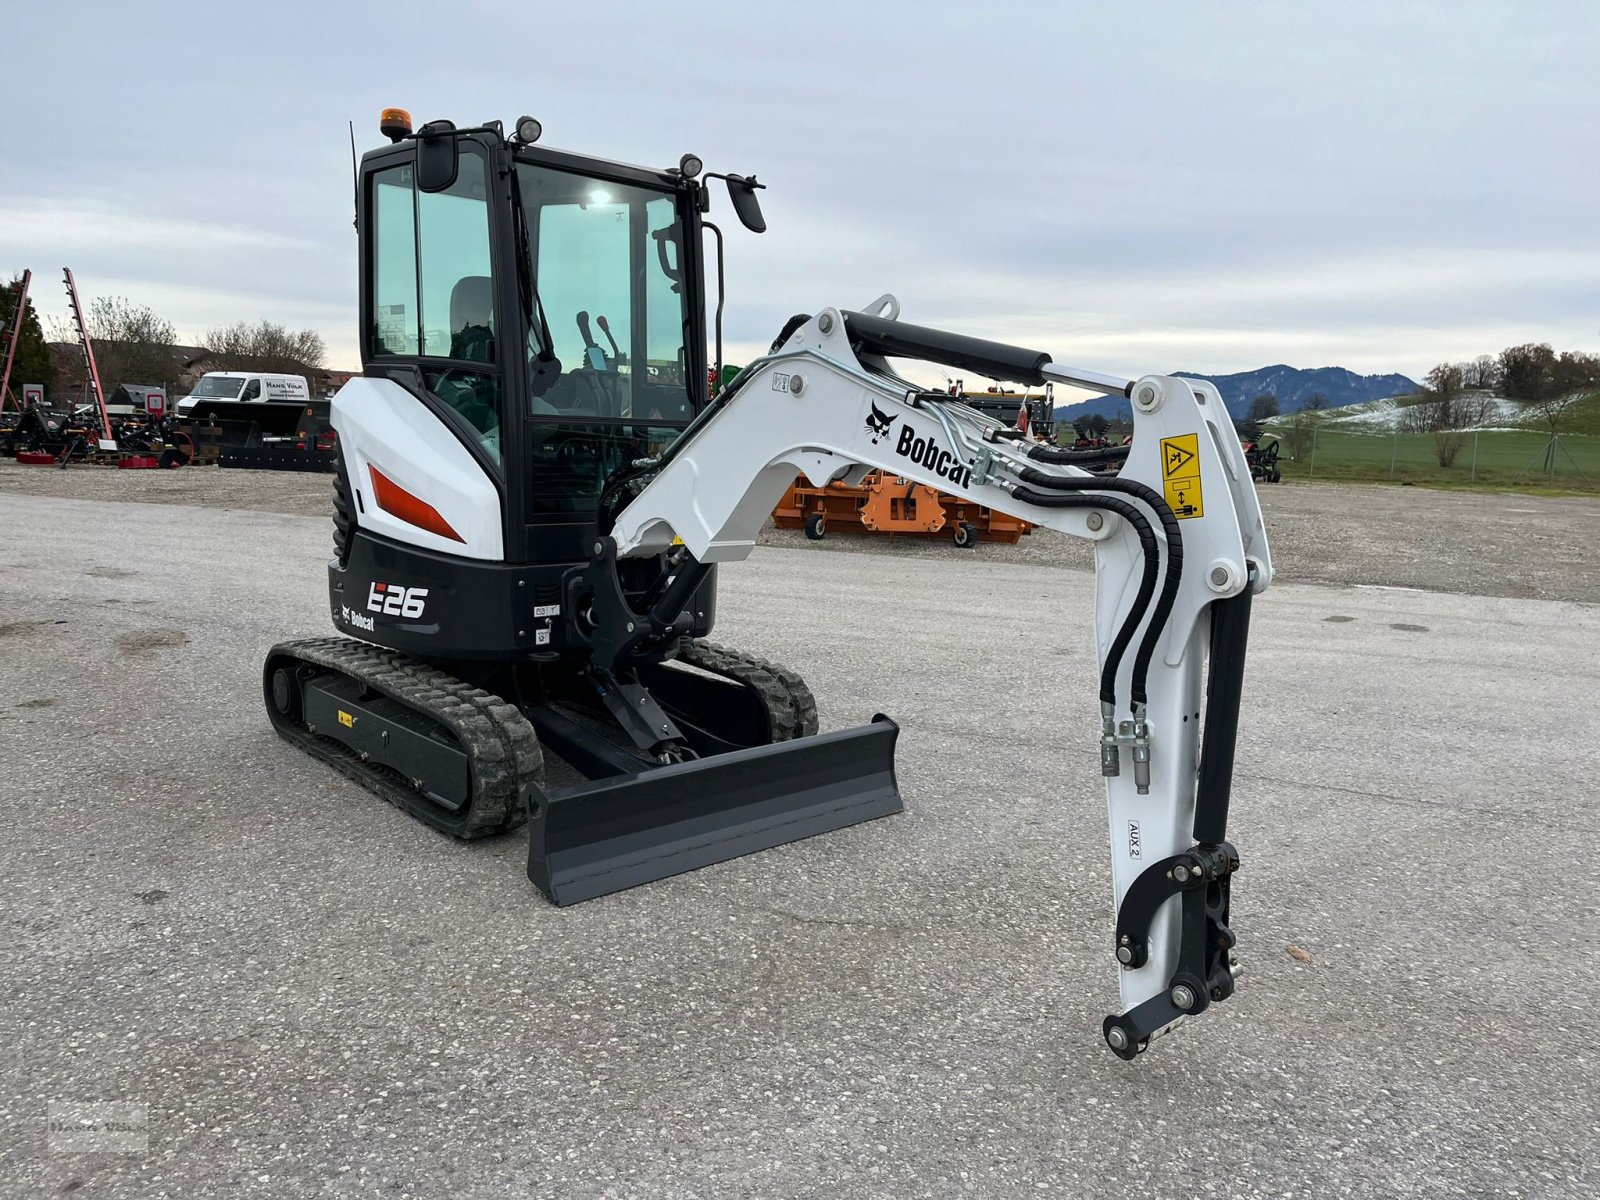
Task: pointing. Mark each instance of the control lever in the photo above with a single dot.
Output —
(593, 356)
(605, 328)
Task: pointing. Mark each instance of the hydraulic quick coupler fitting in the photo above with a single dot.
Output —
(1141, 767)
(1141, 752)
(1110, 753)
(1110, 759)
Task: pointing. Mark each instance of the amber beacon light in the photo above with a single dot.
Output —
(395, 123)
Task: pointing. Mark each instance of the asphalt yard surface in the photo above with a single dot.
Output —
(300, 991)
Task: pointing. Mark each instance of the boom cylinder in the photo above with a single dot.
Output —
(1093, 380)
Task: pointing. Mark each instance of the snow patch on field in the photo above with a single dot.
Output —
(1385, 416)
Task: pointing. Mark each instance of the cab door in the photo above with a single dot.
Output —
(431, 322)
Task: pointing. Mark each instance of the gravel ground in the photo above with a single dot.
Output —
(302, 992)
(302, 494)
(1471, 543)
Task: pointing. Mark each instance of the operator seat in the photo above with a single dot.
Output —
(472, 340)
(472, 319)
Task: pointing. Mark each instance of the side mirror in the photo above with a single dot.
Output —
(438, 157)
(742, 192)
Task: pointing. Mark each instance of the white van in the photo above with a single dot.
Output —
(217, 390)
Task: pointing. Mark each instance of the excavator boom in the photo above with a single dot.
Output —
(1180, 550)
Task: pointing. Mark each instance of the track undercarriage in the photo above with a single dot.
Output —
(469, 759)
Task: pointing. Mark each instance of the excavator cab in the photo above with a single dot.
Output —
(552, 305)
(532, 326)
(548, 308)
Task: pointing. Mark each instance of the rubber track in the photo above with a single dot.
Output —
(791, 708)
(501, 745)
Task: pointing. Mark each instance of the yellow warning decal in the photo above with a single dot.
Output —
(345, 719)
(1180, 475)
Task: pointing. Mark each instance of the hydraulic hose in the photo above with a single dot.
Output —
(1174, 536)
(608, 508)
(1079, 458)
(1147, 580)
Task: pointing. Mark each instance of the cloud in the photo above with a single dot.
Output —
(197, 275)
(1152, 186)
(97, 230)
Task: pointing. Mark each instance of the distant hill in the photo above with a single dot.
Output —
(1293, 386)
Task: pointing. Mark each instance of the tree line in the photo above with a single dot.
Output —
(31, 362)
(134, 344)
(1459, 397)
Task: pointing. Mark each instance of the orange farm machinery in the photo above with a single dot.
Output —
(893, 505)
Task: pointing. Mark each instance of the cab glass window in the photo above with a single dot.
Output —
(475, 395)
(457, 279)
(570, 463)
(433, 287)
(394, 263)
(607, 264)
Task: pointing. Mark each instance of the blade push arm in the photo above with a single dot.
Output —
(1179, 546)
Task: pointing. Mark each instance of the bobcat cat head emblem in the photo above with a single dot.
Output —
(878, 423)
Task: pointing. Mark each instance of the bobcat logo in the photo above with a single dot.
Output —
(878, 423)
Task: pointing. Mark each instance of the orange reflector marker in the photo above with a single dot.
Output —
(394, 124)
(413, 510)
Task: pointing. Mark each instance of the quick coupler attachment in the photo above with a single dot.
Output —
(1110, 750)
(1200, 878)
(1134, 734)
(1141, 754)
(637, 827)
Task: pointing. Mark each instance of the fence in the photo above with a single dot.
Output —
(1493, 458)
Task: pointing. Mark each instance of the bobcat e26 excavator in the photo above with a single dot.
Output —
(528, 525)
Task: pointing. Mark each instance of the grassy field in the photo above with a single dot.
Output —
(1488, 459)
(1491, 458)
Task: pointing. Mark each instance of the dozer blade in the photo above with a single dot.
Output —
(610, 834)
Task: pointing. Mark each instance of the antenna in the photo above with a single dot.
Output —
(355, 176)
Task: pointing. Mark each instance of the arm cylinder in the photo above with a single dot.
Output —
(1230, 634)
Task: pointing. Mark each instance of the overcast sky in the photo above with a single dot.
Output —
(1132, 187)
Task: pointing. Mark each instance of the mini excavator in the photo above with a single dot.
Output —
(529, 521)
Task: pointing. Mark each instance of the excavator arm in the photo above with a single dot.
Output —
(1180, 549)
